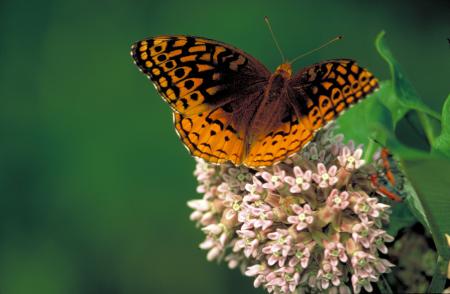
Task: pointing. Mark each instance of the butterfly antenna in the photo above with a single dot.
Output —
(266, 19)
(317, 49)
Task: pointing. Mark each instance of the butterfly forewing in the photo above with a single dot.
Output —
(195, 74)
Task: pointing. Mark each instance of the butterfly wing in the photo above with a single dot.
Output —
(208, 85)
(211, 135)
(324, 90)
(287, 137)
(314, 97)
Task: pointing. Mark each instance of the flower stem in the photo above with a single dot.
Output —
(383, 286)
(427, 127)
(369, 151)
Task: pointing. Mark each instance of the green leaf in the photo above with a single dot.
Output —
(431, 181)
(400, 218)
(371, 120)
(390, 101)
(442, 143)
(406, 98)
(413, 203)
(403, 151)
(437, 284)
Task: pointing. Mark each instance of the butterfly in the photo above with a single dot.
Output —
(228, 107)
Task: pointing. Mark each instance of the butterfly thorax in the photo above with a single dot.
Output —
(284, 69)
(272, 104)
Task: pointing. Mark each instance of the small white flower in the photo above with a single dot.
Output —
(325, 178)
(351, 160)
(301, 181)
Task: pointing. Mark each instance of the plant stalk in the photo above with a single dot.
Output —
(427, 127)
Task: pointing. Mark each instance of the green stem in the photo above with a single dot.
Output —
(370, 150)
(383, 286)
(438, 282)
(430, 112)
(427, 126)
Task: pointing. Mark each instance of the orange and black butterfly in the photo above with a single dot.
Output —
(228, 107)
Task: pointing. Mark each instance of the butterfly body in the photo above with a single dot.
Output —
(229, 107)
(271, 105)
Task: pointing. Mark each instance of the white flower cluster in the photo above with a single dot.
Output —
(310, 222)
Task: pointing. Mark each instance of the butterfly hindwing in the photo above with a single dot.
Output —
(287, 137)
(211, 136)
(324, 90)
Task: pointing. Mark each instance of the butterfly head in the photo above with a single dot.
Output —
(284, 69)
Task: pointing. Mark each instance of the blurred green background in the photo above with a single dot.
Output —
(93, 179)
